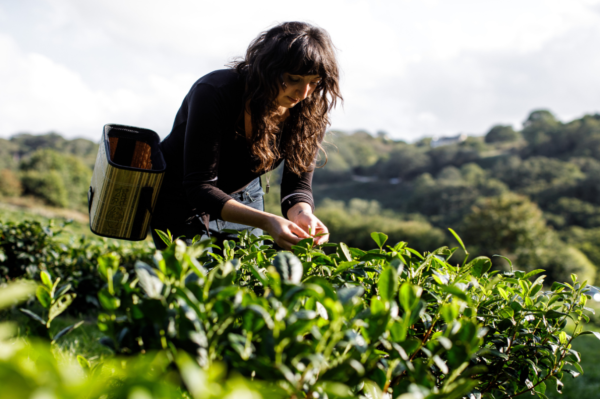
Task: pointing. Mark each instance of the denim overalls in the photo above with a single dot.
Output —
(251, 196)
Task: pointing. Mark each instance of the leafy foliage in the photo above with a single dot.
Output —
(61, 180)
(30, 250)
(514, 226)
(365, 322)
(500, 133)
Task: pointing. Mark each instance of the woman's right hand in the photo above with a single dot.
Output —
(285, 233)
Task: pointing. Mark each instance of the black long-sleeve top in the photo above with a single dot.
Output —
(207, 154)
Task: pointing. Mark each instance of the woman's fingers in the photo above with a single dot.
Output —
(322, 233)
(294, 228)
(288, 233)
(322, 239)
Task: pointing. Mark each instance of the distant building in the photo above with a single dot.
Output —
(441, 141)
(364, 179)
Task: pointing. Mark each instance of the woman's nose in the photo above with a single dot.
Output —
(303, 91)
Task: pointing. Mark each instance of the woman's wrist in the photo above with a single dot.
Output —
(299, 209)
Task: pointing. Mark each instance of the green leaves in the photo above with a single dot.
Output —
(107, 300)
(379, 239)
(409, 296)
(388, 284)
(289, 267)
(43, 295)
(59, 306)
(594, 333)
(480, 266)
(351, 321)
(459, 240)
(15, 293)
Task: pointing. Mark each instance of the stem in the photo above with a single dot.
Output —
(564, 354)
(425, 337)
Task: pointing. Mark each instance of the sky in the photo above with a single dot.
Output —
(409, 68)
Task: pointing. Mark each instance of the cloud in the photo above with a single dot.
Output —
(411, 68)
(39, 95)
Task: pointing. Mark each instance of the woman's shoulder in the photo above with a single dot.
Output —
(222, 79)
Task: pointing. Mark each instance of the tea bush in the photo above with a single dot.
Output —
(29, 369)
(28, 248)
(352, 323)
(328, 322)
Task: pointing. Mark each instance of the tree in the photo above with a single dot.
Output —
(48, 185)
(501, 133)
(60, 179)
(538, 127)
(513, 226)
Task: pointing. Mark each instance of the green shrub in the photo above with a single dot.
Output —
(28, 248)
(500, 133)
(352, 323)
(61, 180)
(47, 185)
(29, 369)
(514, 226)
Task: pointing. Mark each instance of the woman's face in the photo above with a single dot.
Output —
(298, 87)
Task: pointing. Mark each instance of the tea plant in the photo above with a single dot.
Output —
(347, 323)
(29, 369)
(29, 248)
(55, 300)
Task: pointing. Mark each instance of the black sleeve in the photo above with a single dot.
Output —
(295, 189)
(202, 146)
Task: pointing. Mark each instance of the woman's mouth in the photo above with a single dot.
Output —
(293, 99)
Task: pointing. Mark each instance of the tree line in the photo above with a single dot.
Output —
(532, 195)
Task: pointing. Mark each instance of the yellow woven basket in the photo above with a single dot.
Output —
(127, 176)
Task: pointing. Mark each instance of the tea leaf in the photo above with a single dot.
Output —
(343, 266)
(43, 295)
(46, 279)
(166, 237)
(480, 266)
(379, 239)
(594, 333)
(388, 284)
(16, 292)
(459, 241)
(59, 306)
(33, 316)
(345, 255)
(65, 331)
(108, 301)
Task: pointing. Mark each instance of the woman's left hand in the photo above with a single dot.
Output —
(308, 222)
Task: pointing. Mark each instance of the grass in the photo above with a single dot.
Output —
(84, 341)
(17, 209)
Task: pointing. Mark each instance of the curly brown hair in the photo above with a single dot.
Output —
(296, 48)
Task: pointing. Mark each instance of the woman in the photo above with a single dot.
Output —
(240, 123)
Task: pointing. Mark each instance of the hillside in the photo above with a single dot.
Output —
(508, 191)
(530, 195)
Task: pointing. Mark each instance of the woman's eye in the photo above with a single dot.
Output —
(293, 80)
(315, 83)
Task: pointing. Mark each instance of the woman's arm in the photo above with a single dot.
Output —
(302, 215)
(297, 204)
(285, 232)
